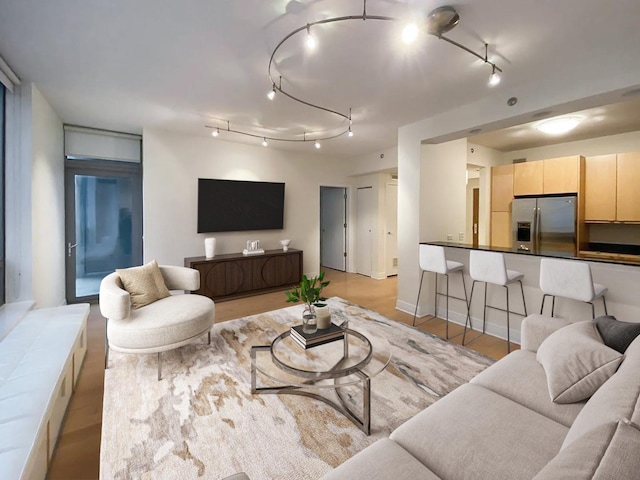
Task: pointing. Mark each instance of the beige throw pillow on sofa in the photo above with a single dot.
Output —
(145, 284)
(576, 362)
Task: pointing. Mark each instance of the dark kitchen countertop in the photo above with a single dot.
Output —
(592, 256)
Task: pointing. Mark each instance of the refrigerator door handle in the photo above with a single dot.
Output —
(538, 231)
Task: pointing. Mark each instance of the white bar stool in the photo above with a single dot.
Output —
(569, 279)
(432, 259)
(490, 267)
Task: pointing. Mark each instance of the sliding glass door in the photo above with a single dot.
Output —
(103, 223)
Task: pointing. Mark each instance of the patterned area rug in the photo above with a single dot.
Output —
(201, 420)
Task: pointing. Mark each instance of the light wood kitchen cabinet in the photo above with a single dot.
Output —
(628, 187)
(501, 229)
(501, 188)
(600, 188)
(561, 175)
(528, 178)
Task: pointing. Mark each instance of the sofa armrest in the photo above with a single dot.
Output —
(115, 301)
(180, 278)
(535, 328)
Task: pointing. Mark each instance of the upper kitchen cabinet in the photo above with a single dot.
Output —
(554, 175)
(561, 175)
(628, 187)
(501, 188)
(600, 188)
(528, 178)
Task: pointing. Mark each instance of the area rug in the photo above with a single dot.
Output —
(201, 420)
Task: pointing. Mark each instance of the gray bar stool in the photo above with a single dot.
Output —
(569, 279)
(432, 259)
(490, 267)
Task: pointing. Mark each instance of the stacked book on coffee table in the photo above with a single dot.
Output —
(320, 337)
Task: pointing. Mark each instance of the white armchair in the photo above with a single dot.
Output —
(163, 325)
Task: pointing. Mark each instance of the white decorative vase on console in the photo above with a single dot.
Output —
(285, 244)
(210, 247)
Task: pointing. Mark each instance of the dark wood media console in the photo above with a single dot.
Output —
(234, 275)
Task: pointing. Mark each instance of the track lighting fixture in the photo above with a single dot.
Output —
(264, 142)
(494, 78)
(410, 33)
(272, 93)
(438, 22)
(311, 40)
(215, 132)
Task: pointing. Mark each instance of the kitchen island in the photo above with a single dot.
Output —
(622, 277)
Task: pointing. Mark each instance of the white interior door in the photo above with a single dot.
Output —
(333, 221)
(391, 219)
(364, 235)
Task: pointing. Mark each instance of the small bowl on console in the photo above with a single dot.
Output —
(285, 244)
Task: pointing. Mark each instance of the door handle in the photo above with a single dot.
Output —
(70, 247)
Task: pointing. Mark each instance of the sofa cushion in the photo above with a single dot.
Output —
(617, 398)
(382, 460)
(519, 377)
(475, 433)
(144, 284)
(576, 362)
(609, 451)
(616, 334)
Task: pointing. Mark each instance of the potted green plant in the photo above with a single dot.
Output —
(310, 292)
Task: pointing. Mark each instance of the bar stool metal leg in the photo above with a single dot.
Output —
(415, 313)
(506, 291)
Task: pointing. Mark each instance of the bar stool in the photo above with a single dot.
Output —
(432, 259)
(490, 267)
(569, 279)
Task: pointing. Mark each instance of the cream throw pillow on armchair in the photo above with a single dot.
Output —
(145, 284)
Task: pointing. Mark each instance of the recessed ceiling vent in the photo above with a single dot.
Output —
(475, 130)
(519, 160)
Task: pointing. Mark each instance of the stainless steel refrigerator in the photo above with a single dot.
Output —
(545, 224)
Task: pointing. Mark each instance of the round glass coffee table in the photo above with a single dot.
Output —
(331, 369)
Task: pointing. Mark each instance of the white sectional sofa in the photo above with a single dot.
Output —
(504, 425)
(40, 357)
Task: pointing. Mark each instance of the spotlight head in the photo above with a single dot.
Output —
(215, 133)
(264, 142)
(350, 134)
(317, 144)
(494, 79)
(410, 33)
(311, 40)
(272, 93)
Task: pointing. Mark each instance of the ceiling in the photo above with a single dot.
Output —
(180, 65)
(602, 121)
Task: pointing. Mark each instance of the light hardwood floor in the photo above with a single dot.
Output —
(77, 455)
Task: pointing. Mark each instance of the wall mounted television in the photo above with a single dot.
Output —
(238, 205)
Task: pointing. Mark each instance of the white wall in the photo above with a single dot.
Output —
(172, 165)
(34, 200)
(48, 238)
(443, 204)
(378, 161)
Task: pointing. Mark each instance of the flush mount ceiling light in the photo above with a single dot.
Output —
(558, 126)
(438, 22)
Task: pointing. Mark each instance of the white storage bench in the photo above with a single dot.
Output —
(40, 358)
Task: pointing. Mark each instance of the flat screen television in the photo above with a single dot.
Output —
(238, 205)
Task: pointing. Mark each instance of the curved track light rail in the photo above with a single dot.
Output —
(439, 21)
